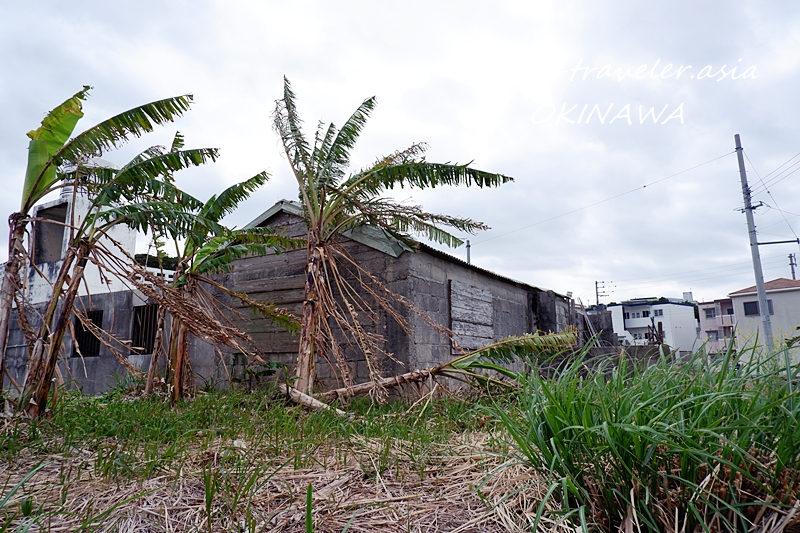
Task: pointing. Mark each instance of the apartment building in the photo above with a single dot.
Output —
(655, 321)
(717, 324)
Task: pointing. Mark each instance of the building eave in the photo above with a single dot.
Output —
(378, 240)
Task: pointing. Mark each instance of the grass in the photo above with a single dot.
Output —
(240, 459)
(696, 444)
(689, 445)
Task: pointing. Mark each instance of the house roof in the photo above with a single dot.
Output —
(652, 303)
(377, 239)
(779, 284)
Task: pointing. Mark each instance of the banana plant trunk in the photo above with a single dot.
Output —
(180, 374)
(37, 353)
(40, 377)
(157, 347)
(17, 223)
(306, 371)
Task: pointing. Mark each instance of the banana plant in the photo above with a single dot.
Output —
(335, 200)
(211, 248)
(138, 195)
(51, 149)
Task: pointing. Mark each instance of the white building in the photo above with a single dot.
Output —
(717, 323)
(50, 240)
(645, 321)
(783, 299)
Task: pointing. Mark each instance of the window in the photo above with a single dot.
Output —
(645, 314)
(49, 238)
(730, 310)
(712, 335)
(88, 343)
(751, 308)
(145, 322)
(626, 316)
(658, 312)
(711, 313)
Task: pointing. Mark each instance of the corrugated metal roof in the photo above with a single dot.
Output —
(378, 240)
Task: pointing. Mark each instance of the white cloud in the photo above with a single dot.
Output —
(466, 77)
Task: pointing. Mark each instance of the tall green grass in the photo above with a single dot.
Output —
(667, 446)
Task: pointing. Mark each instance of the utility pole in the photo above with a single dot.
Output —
(763, 307)
(599, 286)
(468, 259)
(792, 264)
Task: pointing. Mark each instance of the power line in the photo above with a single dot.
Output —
(764, 185)
(682, 279)
(602, 201)
(687, 272)
(772, 266)
(772, 197)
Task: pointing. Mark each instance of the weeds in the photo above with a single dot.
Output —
(222, 451)
(666, 446)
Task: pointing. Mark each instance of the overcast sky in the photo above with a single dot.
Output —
(511, 86)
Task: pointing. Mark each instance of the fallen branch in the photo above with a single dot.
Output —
(468, 365)
(363, 388)
(306, 400)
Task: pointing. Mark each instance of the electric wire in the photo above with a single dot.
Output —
(602, 201)
(716, 275)
(642, 288)
(740, 264)
(777, 178)
(772, 197)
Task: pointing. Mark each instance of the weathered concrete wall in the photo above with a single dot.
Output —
(92, 375)
(280, 279)
(430, 281)
(479, 306)
(602, 323)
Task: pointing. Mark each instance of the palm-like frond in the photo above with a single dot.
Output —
(144, 179)
(229, 199)
(148, 153)
(158, 218)
(422, 175)
(322, 146)
(400, 220)
(219, 252)
(518, 348)
(45, 142)
(116, 130)
(338, 157)
(277, 315)
(288, 125)
(494, 357)
(177, 142)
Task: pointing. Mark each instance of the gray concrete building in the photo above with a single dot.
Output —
(480, 306)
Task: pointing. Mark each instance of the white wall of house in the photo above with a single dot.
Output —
(633, 323)
(95, 283)
(785, 316)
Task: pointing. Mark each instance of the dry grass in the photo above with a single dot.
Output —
(454, 493)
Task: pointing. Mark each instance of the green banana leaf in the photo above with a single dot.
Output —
(46, 141)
